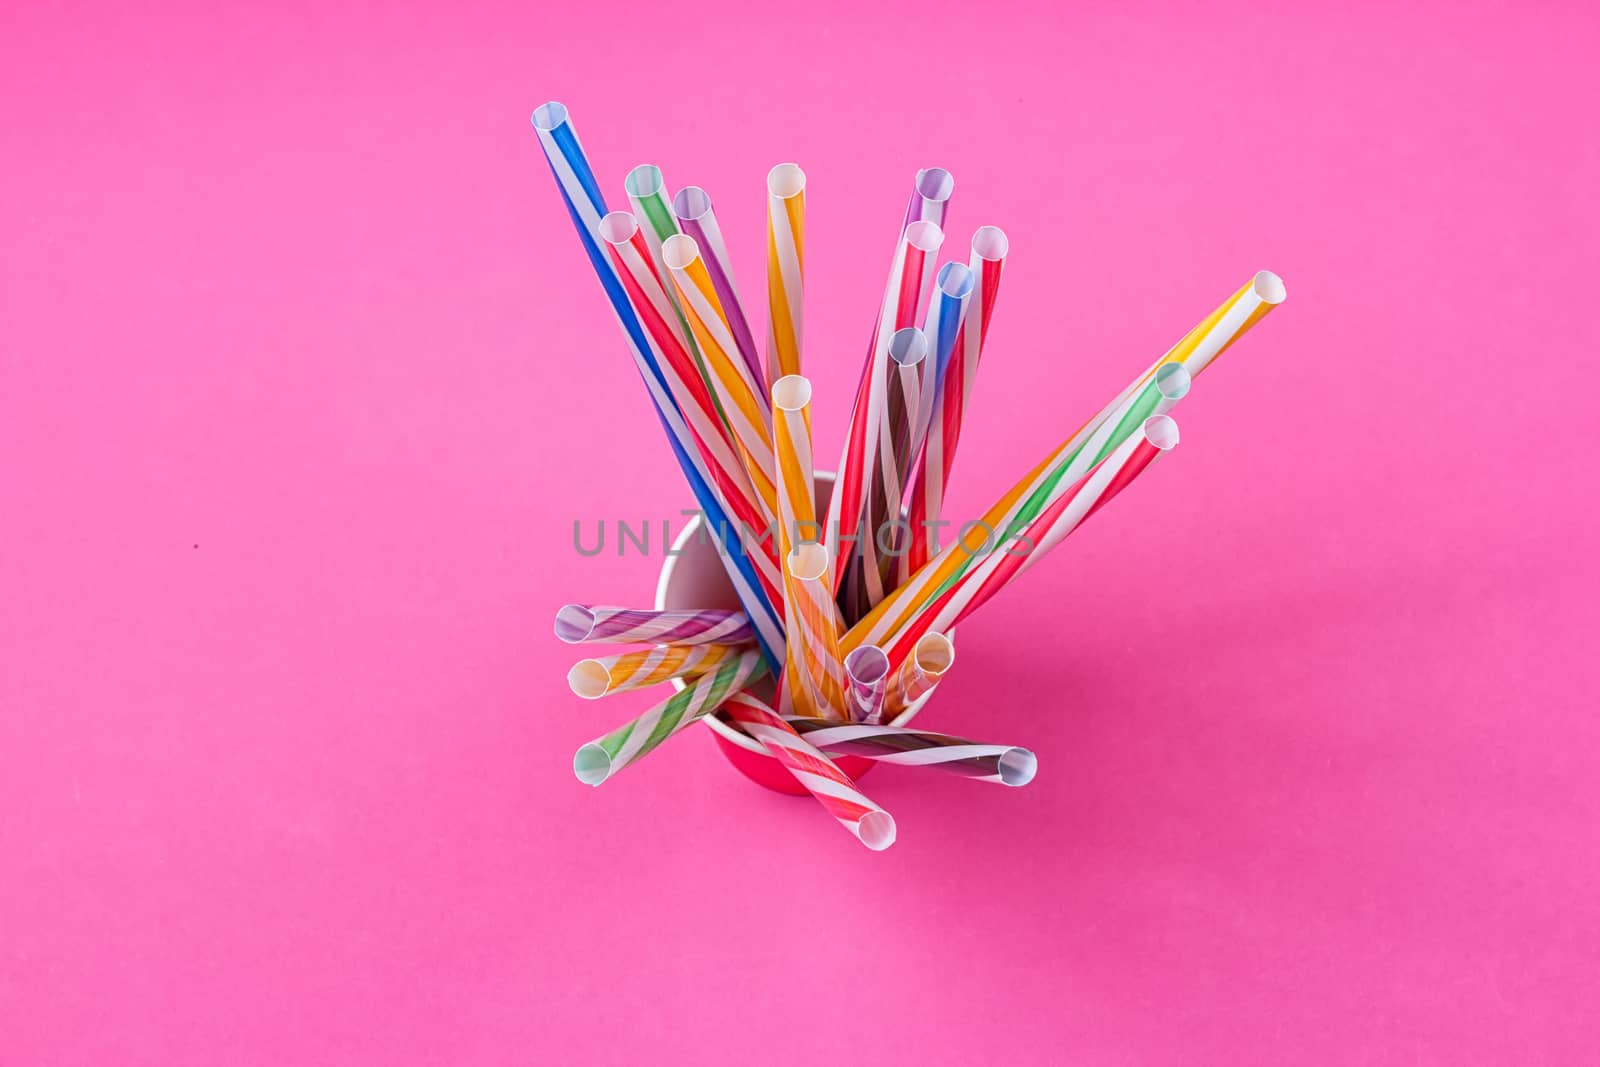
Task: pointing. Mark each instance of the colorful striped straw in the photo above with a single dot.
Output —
(746, 409)
(946, 315)
(930, 196)
(909, 747)
(930, 657)
(847, 509)
(867, 671)
(786, 268)
(926, 505)
(603, 757)
(596, 678)
(818, 690)
(687, 387)
(1198, 349)
(692, 208)
(578, 624)
(647, 195)
(797, 519)
(832, 788)
(581, 195)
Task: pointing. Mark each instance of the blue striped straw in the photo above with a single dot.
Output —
(581, 194)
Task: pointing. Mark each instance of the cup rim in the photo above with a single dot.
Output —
(715, 721)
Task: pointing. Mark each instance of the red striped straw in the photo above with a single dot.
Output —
(918, 244)
(834, 790)
(989, 247)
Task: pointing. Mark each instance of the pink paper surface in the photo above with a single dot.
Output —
(304, 381)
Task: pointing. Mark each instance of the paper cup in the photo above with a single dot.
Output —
(693, 577)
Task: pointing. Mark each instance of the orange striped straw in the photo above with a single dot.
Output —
(786, 268)
(817, 690)
(928, 662)
(595, 678)
(743, 405)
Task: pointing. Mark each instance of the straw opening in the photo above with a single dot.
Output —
(1173, 381)
(876, 829)
(591, 765)
(955, 280)
(645, 180)
(1017, 766)
(808, 562)
(1269, 287)
(786, 180)
(934, 653)
(1161, 431)
(692, 203)
(678, 251)
(908, 347)
(866, 665)
(574, 623)
(924, 236)
(990, 243)
(618, 228)
(548, 116)
(791, 392)
(589, 679)
(935, 183)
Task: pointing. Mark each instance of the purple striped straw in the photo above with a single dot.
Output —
(578, 624)
(692, 206)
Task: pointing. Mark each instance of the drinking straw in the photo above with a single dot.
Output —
(595, 678)
(930, 196)
(832, 788)
(647, 194)
(867, 671)
(946, 315)
(685, 384)
(930, 658)
(797, 519)
(1041, 485)
(603, 757)
(746, 409)
(817, 689)
(579, 192)
(909, 366)
(692, 207)
(1002, 764)
(1006, 561)
(989, 247)
(847, 508)
(786, 268)
(578, 624)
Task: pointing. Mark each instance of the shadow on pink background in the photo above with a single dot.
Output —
(304, 382)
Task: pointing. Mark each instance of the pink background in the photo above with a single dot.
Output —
(304, 382)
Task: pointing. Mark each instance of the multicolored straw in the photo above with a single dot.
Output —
(595, 678)
(603, 757)
(930, 658)
(834, 790)
(692, 208)
(581, 195)
(1002, 764)
(867, 671)
(926, 506)
(578, 624)
(797, 519)
(786, 268)
(818, 691)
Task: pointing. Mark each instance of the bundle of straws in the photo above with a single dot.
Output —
(843, 632)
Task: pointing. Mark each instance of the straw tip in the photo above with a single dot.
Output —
(786, 180)
(679, 250)
(574, 623)
(876, 830)
(791, 392)
(592, 764)
(1269, 287)
(991, 243)
(589, 679)
(549, 115)
(1161, 431)
(644, 180)
(1017, 766)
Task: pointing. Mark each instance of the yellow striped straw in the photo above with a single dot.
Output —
(797, 512)
(595, 678)
(743, 405)
(1198, 349)
(786, 268)
(929, 660)
(817, 690)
